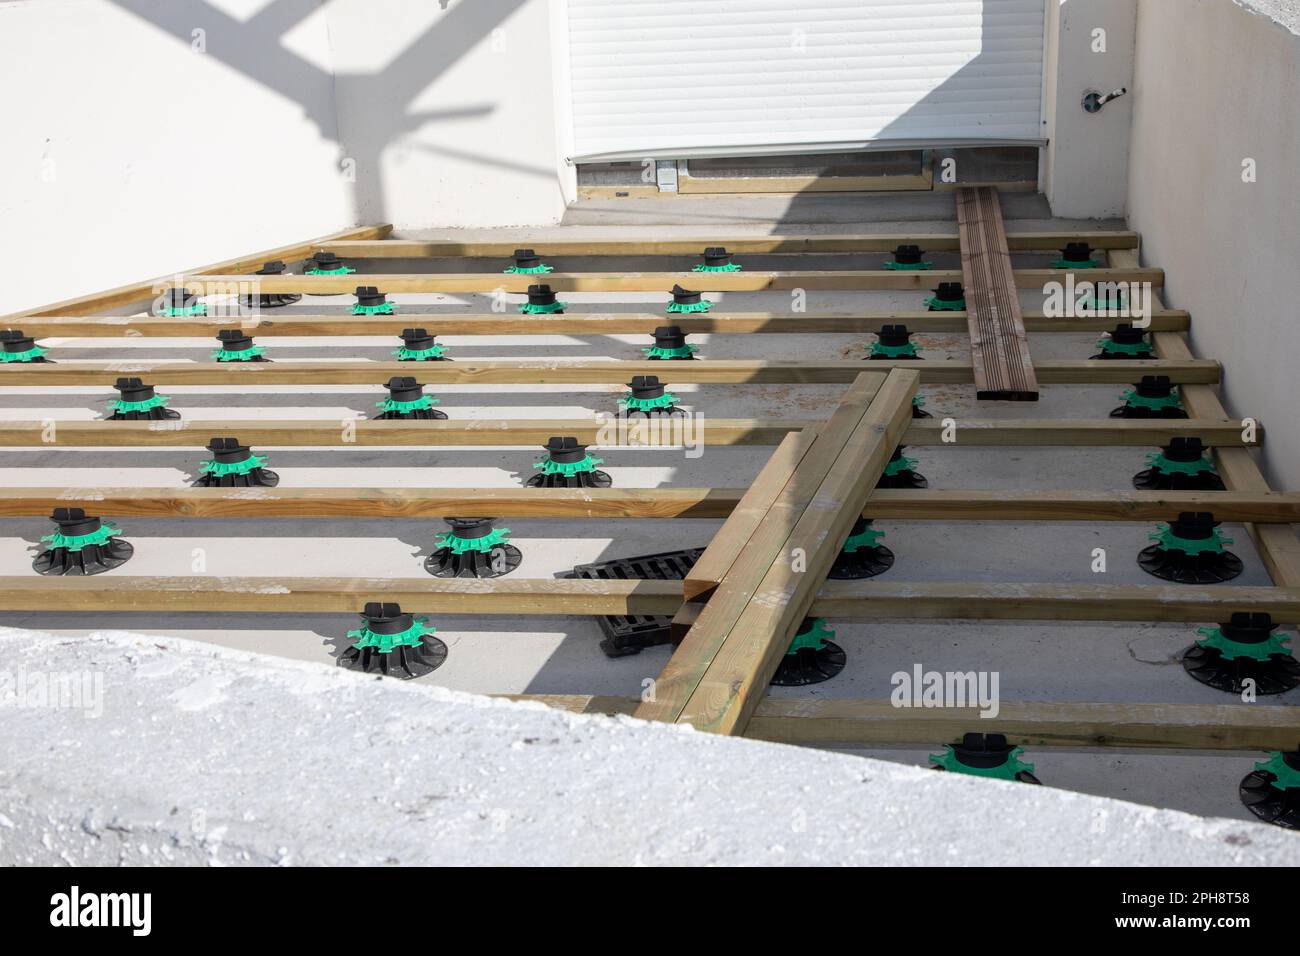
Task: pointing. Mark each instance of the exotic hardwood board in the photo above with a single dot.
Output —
(1004, 369)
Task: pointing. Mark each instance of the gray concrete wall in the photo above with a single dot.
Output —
(1217, 84)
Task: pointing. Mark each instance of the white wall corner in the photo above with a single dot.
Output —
(1089, 46)
(562, 93)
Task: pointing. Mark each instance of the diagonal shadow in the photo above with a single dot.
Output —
(256, 49)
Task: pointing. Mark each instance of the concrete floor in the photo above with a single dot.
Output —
(1035, 660)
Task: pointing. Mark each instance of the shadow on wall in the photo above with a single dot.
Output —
(372, 113)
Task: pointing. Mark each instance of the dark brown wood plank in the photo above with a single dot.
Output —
(1004, 369)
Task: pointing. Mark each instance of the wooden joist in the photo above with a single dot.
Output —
(787, 244)
(579, 323)
(236, 268)
(530, 372)
(1278, 546)
(875, 600)
(825, 722)
(756, 281)
(1004, 368)
(189, 432)
(688, 665)
(741, 668)
(906, 504)
(750, 512)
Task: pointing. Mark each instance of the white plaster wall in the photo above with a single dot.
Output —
(1216, 84)
(125, 154)
(450, 113)
(1085, 173)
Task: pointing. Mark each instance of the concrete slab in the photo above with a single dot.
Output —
(502, 654)
(179, 753)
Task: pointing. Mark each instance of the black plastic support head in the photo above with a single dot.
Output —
(1190, 552)
(894, 335)
(15, 341)
(1076, 252)
(406, 400)
(714, 257)
(950, 292)
(1272, 790)
(271, 300)
(811, 658)
(685, 296)
(1157, 391)
(1243, 654)
(646, 387)
(82, 545)
(1182, 465)
(899, 472)
(417, 340)
(237, 346)
(908, 255)
(541, 294)
(369, 297)
(473, 548)
(404, 388)
(669, 337)
(862, 555)
(233, 465)
(137, 401)
(391, 642)
(527, 259)
(325, 262)
(986, 752)
(567, 465)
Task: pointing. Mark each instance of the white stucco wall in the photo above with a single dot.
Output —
(449, 113)
(1217, 84)
(1085, 174)
(128, 153)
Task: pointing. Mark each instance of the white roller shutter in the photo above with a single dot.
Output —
(719, 76)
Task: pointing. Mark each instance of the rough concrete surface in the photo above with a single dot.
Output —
(192, 754)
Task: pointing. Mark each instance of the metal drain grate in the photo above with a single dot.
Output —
(629, 634)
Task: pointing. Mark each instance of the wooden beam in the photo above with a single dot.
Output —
(750, 512)
(195, 432)
(1278, 546)
(823, 722)
(826, 721)
(866, 600)
(595, 323)
(1004, 368)
(149, 288)
(739, 673)
(211, 594)
(917, 505)
(1080, 432)
(777, 244)
(933, 505)
(882, 599)
(327, 503)
(190, 433)
(528, 372)
(688, 665)
(756, 281)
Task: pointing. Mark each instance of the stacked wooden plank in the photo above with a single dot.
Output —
(1004, 369)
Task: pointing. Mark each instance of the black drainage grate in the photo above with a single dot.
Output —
(629, 634)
